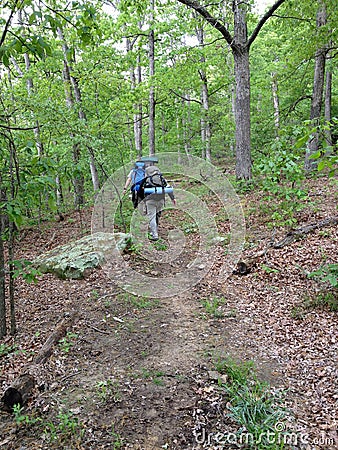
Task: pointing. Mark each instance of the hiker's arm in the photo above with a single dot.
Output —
(172, 198)
(128, 181)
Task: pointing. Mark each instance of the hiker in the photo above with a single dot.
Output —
(155, 188)
(135, 178)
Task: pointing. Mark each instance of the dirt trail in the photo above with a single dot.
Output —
(138, 373)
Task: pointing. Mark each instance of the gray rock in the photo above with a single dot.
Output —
(73, 260)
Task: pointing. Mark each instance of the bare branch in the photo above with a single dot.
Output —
(263, 20)
(185, 98)
(9, 20)
(210, 19)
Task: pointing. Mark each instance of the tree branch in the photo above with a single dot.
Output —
(16, 128)
(212, 20)
(185, 98)
(263, 20)
(4, 33)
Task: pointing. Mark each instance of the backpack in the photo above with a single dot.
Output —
(154, 179)
(137, 176)
(137, 179)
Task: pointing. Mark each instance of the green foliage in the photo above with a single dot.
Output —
(67, 342)
(108, 390)
(325, 299)
(213, 306)
(326, 274)
(326, 157)
(268, 269)
(26, 270)
(66, 427)
(237, 372)
(117, 440)
(6, 349)
(24, 419)
(252, 404)
(280, 165)
(154, 375)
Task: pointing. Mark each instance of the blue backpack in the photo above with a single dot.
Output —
(138, 176)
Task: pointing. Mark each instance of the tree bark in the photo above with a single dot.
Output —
(317, 93)
(328, 107)
(246, 266)
(22, 387)
(78, 179)
(3, 326)
(205, 122)
(275, 100)
(135, 75)
(240, 46)
(242, 115)
(152, 87)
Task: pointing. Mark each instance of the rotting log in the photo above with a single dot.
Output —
(306, 229)
(246, 266)
(20, 390)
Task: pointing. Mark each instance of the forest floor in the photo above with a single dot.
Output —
(142, 373)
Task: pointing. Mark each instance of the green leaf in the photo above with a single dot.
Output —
(322, 165)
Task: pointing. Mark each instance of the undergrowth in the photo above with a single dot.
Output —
(257, 409)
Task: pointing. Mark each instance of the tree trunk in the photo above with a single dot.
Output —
(138, 115)
(3, 326)
(327, 107)
(205, 122)
(38, 142)
(240, 46)
(136, 79)
(186, 126)
(317, 93)
(78, 179)
(242, 100)
(275, 100)
(242, 115)
(152, 87)
(11, 239)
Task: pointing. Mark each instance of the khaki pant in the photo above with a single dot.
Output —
(154, 206)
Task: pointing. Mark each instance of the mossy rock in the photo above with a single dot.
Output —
(74, 260)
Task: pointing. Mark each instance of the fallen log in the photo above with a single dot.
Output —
(246, 266)
(21, 388)
(306, 229)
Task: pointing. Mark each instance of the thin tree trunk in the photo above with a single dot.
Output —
(184, 122)
(78, 179)
(152, 87)
(38, 142)
(328, 107)
(136, 79)
(59, 194)
(3, 326)
(82, 116)
(11, 241)
(317, 93)
(275, 99)
(205, 122)
(138, 116)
